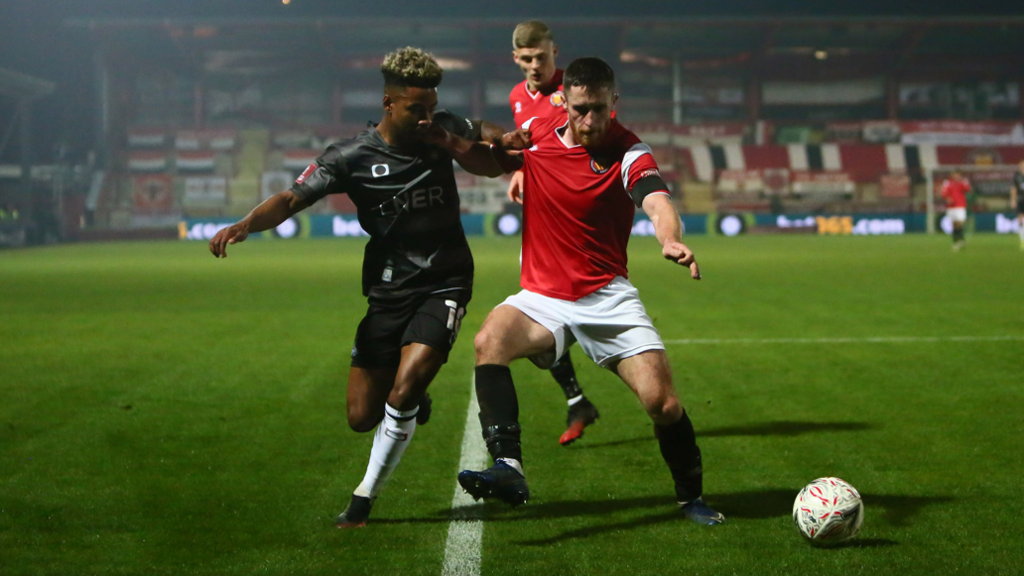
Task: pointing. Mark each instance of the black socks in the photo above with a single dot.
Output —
(680, 451)
(499, 411)
(565, 375)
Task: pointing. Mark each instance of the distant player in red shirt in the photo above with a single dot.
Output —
(955, 190)
(583, 176)
(1017, 201)
(540, 95)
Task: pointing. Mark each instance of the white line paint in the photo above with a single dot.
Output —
(865, 340)
(465, 532)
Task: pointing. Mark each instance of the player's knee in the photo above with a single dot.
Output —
(486, 343)
(407, 393)
(664, 409)
(362, 420)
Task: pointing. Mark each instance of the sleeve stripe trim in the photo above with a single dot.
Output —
(635, 152)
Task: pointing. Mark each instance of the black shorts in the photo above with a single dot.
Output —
(431, 319)
(1020, 208)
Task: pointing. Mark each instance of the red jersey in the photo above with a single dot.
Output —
(539, 104)
(577, 211)
(955, 192)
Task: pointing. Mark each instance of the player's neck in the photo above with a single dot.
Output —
(546, 86)
(392, 136)
(567, 136)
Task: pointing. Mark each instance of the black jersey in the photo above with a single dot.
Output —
(408, 203)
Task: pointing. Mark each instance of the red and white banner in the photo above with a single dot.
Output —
(146, 138)
(196, 161)
(300, 159)
(147, 161)
(952, 132)
(844, 132)
(740, 181)
(205, 140)
(690, 134)
(822, 183)
(293, 139)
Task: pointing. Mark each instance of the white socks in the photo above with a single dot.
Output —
(389, 443)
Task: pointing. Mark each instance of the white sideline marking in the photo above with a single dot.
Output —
(465, 533)
(867, 340)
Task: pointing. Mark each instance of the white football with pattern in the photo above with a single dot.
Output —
(828, 511)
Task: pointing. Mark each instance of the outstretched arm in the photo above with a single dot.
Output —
(267, 215)
(669, 231)
(490, 133)
(479, 158)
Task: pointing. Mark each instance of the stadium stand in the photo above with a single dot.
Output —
(777, 115)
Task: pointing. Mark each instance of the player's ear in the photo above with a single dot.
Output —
(554, 50)
(515, 56)
(388, 102)
(615, 98)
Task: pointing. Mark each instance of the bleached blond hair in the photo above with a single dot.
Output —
(411, 67)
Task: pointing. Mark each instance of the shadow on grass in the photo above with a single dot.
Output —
(785, 428)
(498, 512)
(582, 445)
(895, 510)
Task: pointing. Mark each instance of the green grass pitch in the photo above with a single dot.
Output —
(162, 412)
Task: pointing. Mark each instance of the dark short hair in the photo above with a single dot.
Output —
(411, 67)
(590, 73)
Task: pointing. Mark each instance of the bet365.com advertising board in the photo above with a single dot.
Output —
(509, 223)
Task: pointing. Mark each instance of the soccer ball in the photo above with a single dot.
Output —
(828, 511)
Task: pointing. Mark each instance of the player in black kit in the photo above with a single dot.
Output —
(417, 267)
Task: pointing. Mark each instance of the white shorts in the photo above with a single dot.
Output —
(610, 324)
(957, 214)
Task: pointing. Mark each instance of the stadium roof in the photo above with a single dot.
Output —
(946, 45)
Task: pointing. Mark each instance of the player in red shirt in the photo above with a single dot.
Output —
(955, 190)
(583, 176)
(540, 95)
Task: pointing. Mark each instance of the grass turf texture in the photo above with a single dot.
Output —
(162, 412)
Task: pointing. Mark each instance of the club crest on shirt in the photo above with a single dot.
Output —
(597, 167)
(519, 107)
(558, 98)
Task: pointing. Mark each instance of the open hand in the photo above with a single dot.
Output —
(515, 187)
(680, 254)
(233, 234)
